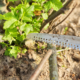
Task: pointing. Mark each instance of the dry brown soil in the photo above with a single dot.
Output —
(68, 60)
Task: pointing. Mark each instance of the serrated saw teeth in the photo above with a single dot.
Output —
(70, 46)
(58, 43)
(61, 40)
(79, 47)
(76, 47)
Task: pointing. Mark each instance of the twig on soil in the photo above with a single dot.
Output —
(63, 49)
(40, 66)
(56, 14)
(63, 18)
(52, 63)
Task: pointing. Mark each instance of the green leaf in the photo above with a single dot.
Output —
(20, 13)
(12, 0)
(36, 24)
(14, 51)
(4, 44)
(57, 4)
(28, 0)
(44, 15)
(7, 51)
(29, 14)
(8, 38)
(39, 1)
(48, 5)
(43, 47)
(21, 37)
(13, 32)
(37, 6)
(34, 31)
(66, 28)
(8, 23)
(1, 16)
(30, 8)
(27, 19)
(10, 35)
(46, 27)
(24, 51)
(35, 0)
(22, 27)
(28, 28)
(8, 16)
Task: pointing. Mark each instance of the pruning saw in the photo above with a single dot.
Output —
(61, 40)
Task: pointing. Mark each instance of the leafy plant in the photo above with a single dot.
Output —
(12, 0)
(24, 19)
(41, 47)
(66, 28)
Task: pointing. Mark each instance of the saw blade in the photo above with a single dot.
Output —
(61, 40)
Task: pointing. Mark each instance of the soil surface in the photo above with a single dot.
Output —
(68, 59)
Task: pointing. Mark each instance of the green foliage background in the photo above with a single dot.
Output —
(21, 21)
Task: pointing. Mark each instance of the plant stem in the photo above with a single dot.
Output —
(63, 49)
(53, 64)
(63, 19)
(25, 1)
(22, 1)
(68, 5)
(40, 66)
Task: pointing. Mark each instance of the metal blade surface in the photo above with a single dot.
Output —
(61, 40)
